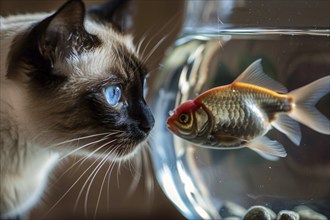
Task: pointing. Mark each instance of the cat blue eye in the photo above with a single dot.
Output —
(112, 94)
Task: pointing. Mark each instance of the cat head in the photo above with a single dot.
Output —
(82, 80)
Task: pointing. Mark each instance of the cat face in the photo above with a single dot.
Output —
(82, 81)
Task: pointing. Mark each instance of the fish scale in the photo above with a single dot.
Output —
(243, 112)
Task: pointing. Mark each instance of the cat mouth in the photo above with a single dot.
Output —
(141, 136)
(128, 150)
(138, 133)
(131, 144)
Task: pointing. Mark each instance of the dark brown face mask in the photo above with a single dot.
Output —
(68, 102)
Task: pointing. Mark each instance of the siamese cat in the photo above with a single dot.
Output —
(73, 82)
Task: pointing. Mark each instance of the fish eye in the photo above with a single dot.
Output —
(112, 94)
(184, 118)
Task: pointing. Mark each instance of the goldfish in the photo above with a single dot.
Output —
(240, 114)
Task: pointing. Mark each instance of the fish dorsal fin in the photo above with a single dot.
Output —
(254, 75)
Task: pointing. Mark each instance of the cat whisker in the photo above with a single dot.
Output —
(70, 188)
(145, 60)
(83, 146)
(140, 44)
(81, 160)
(90, 144)
(119, 56)
(151, 71)
(67, 170)
(81, 190)
(78, 139)
(103, 181)
(112, 165)
(137, 170)
(77, 180)
(143, 38)
(170, 21)
(93, 175)
(120, 162)
(90, 179)
(147, 45)
(117, 161)
(150, 184)
(141, 164)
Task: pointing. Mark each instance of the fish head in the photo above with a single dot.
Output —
(187, 120)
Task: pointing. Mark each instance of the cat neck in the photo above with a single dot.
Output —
(24, 166)
(24, 171)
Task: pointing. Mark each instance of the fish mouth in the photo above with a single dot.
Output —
(175, 130)
(171, 126)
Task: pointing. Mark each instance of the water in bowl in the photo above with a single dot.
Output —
(200, 181)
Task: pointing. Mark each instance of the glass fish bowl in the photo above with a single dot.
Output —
(214, 184)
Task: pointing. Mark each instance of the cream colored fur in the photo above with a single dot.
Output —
(25, 157)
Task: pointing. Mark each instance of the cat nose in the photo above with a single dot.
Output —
(147, 124)
(144, 119)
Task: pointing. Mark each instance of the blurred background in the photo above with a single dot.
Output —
(153, 19)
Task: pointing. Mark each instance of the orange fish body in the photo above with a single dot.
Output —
(242, 111)
(240, 114)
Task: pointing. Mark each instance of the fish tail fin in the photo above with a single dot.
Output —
(304, 100)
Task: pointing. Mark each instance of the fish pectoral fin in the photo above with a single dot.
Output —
(255, 75)
(289, 127)
(267, 148)
(266, 155)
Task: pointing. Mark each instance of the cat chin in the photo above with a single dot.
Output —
(128, 156)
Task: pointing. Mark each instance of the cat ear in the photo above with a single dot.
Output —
(64, 31)
(119, 13)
